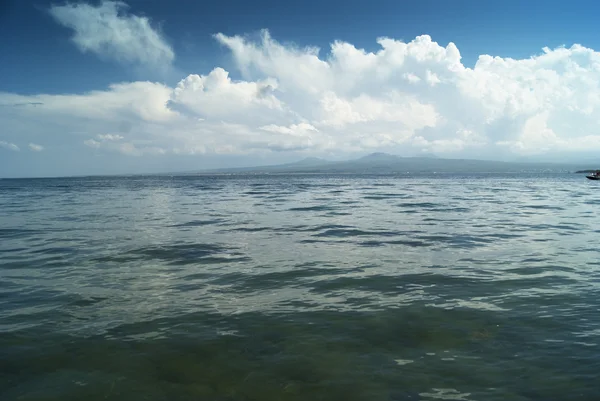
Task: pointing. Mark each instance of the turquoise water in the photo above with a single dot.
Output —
(472, 287)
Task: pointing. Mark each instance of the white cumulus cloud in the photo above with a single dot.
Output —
(403, 98)
(111, 33)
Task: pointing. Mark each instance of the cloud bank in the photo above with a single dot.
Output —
(403, 98)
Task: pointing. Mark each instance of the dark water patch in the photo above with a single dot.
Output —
(257, 193)
(323, 241)
(207, 188)
(441, 285)
(536, 270)
(482, 261)
(281, 230)
(418, 205)
(325, 184)
(280, 196)
(17, 233)
(48, 262)
(55, 251)
(377, 283)
(199, 223)
(359, 301)
(21, 209)
(587, 248)
(195, 203)
(323, 227)
(534, 283)
(236, 223)
(534, 259)
(68, 218)
(272, 280)
(300, 304)
(505, 235)
(495, 201)
(179, 254)
(355, 232)
(7, 186)
(208, 260)
(409, 243)
(562, 228)
(461, 241)
(542, 207)
(189, 286)
(448, 209)
(317, 208)
(292, 228)
(434, 284)
(321, 355)
(13, 250)
(252, 229)
(338, 214)
(82, 301)
(198, 276)
(383, 196)
(306, 186)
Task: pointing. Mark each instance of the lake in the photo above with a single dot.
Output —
(300, 287)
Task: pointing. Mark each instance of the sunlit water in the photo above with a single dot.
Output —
(480, 287)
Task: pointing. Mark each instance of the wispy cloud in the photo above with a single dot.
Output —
(25, 104)
(35, 147)
(110, 32)
(9, 146)
(110, 137)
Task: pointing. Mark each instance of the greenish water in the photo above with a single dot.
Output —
(472, 287)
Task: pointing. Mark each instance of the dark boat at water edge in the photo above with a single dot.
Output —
(595, 175)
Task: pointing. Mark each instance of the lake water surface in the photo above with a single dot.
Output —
(426, 287)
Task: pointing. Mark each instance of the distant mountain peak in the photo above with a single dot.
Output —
(311, 161)
(379, 156)
(428, 155)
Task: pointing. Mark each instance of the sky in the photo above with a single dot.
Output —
(143, 86)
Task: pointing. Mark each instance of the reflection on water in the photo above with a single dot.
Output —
(481, 287)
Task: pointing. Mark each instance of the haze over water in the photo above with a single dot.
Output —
(425, 287)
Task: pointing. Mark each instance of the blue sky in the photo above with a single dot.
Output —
(41, 63)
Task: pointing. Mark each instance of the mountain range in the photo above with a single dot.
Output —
(384, 163)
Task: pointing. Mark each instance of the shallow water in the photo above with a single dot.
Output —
(472, 287)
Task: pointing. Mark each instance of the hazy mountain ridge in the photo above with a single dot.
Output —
(384, 163)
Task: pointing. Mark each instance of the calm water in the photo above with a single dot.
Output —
(482, 287)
